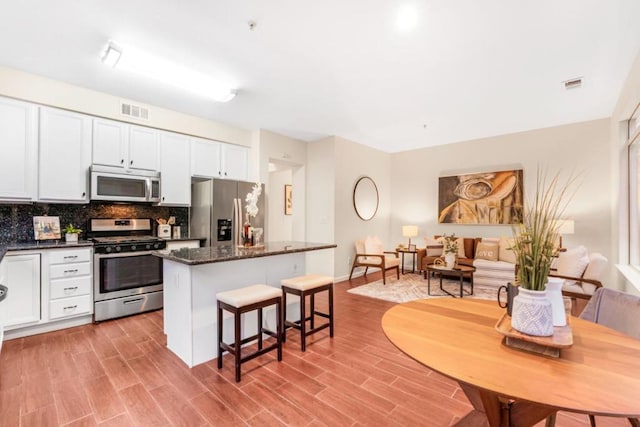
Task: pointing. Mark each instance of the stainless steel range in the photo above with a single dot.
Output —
(127, 278)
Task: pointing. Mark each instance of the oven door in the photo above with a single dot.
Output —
(126, 274)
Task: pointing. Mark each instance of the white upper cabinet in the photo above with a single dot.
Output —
(65, 156)
(212, 159)
(19, 146)
(235, 161)
(143, 148)
(205, 158)
(175, 179)
(124, 146)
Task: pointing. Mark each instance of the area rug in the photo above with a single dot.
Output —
(412, 287)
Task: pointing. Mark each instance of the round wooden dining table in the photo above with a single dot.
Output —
(599, 374)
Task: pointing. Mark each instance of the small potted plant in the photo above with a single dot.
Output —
(450, 249)
(71, 233)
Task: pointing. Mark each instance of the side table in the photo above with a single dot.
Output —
(413, 252)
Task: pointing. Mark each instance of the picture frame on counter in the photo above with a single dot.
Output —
(46, 227)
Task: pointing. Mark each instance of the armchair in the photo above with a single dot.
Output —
(581, 273)
(369, 253)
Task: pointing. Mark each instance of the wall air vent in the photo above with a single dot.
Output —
(572, 83)
(134, 111)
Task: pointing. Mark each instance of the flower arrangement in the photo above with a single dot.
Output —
(252, 200)
(535, 238)
(450, 244)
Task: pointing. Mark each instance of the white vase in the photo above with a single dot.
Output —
(450, 259)
(531, 313)
(554, 293)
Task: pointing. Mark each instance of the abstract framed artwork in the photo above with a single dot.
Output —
(481, 198)
(46, 227)
(288, 201)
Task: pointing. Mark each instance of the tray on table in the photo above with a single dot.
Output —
(550, 346)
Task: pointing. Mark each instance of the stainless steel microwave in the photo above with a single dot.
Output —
(114, 186)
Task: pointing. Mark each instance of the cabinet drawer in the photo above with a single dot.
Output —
(66, 256)
(70, 306)
(70, 270)
(63, 288)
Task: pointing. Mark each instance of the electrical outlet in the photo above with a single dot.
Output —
(348, 261)
(295, 268)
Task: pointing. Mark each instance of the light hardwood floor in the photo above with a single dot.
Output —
(119, 373)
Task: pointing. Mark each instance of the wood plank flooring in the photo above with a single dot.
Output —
(119, 373)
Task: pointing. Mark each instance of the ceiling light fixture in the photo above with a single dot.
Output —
(407, 18)
(132, 59)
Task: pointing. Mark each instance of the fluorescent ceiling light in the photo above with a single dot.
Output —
(132, 59)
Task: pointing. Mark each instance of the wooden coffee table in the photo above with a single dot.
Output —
(461, 271)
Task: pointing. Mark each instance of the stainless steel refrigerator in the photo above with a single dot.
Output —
(218, 209)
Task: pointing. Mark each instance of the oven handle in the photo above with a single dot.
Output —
(131, 301)
(122, 254)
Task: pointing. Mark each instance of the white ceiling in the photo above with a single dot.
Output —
(310, 69)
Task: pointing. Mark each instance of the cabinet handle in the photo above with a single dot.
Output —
(71, 271)
(71, 307)
(163, 198)
(71, 257)
(73, 288)
(219, 173)
(122, 161)
(84, 193)
(131, 162)
(225, 174)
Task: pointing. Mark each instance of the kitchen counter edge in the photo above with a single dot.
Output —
(208, 255)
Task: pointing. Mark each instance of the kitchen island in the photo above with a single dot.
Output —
(193, 277)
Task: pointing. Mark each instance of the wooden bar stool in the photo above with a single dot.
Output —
(302, 286)
(241, 301)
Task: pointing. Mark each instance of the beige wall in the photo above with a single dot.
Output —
(42, 90)
(580, 148)
(289, 154)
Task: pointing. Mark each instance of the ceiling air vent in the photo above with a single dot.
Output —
(134, 111)
(572, 83)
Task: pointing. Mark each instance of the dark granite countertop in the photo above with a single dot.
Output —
(44, 244)
(229, 253)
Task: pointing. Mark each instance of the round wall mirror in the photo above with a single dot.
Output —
(365, 198)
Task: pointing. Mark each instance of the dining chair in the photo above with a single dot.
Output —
(616, 310)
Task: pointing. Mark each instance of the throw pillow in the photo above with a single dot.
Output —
(460, 241)
(373, 245)
(488, 251)
(428, 241)
(572, 263)
(505, 253)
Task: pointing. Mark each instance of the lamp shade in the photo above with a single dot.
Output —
(565, 226)
(409, 230)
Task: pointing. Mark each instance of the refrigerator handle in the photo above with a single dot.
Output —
(237, 222)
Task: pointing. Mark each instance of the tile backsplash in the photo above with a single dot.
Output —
(16, 221)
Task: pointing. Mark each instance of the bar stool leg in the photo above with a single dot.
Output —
(313, 309)
(220, 336)
(331, 310)
(238, 340)
(284, 316)
(303, 322)
(260, 329)
(279, 326)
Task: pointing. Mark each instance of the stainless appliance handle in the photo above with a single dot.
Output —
(148, 189)
(131, 301)
(121, 254)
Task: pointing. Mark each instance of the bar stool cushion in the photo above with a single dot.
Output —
(304, 283)
(248, 295)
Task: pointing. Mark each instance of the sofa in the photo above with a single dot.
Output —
(434, 247)
(495, 264)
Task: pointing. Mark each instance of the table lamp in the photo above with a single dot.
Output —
(564, 226)
(409, 231)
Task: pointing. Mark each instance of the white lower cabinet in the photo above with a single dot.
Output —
(22, 278)
(70, 281)
(45, 288)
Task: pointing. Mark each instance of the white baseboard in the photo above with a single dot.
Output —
(47, 327)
